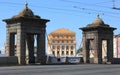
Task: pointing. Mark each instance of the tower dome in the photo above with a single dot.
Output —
(26, 12)
(98, 21)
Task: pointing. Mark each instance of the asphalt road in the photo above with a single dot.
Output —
(82, 69)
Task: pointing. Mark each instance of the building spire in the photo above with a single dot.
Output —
(26, 4)
(98, 15)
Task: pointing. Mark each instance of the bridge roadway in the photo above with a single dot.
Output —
(81, 69)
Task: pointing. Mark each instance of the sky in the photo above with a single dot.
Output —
(68, 14)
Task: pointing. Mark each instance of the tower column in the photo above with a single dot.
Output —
(97, 51)
(21, 47)
(12, 44)
(30, 43)
(84, 49)
(41, 55)
(87, 51)
(10, 48)
(110, 50)
(7, 46)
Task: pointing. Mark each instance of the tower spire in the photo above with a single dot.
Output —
(98, 15)
(26, 4)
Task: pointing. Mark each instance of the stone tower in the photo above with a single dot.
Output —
(25, 26)
(95, 35)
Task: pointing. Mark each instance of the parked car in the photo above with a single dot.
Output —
(74, 60)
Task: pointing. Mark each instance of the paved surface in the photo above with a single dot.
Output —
(82, 69)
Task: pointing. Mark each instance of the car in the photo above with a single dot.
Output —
(74, 60)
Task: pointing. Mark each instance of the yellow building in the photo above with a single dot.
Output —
(61, 43)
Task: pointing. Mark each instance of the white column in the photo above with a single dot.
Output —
(65, 51)
(56, 51)
(74, 52)
(60, 50)
(69, 51)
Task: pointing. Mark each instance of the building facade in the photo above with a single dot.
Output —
(61, 43)
(116, 46)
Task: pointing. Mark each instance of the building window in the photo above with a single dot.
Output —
(72, 47)
(67, 53)
(58, 52)
(53, 41)
(53, 47)
(62, 36)
(67, 47)
(67, 41)
(53, 36)
(58, 36)
(72, 41)
(66, 36)
(63, 47)
(53, 53)
(58, 47)
(62, 41)
(71, 52)
(62, 52)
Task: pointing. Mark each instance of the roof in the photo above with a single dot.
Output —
(62, 31)
(25, 15)
(97, 22)
(118, 35)
(26, 12)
